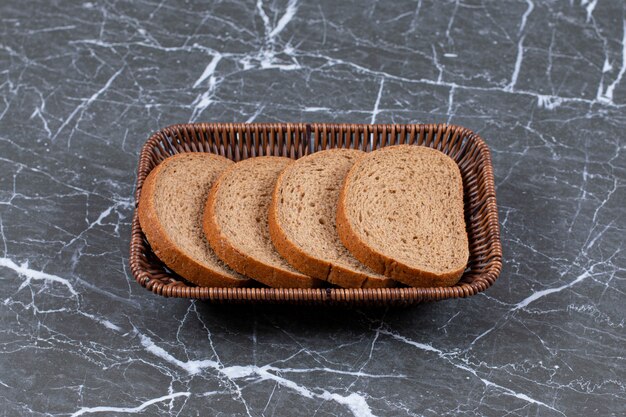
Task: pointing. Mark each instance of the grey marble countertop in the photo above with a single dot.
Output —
(83, 84)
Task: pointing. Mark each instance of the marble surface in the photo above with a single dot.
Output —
(83, 84)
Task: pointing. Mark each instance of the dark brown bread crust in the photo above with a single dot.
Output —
(241, 262)
(166, 250)
(311, 265)
(380, 262)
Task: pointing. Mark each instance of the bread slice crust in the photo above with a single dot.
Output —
(162, 242)
(333, 162)
(372, 255)
(271, 274)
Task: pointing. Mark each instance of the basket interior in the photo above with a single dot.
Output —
(241, 141)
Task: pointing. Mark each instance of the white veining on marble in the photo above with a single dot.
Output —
(549, 102)
(375, 111)
(209, 70)
(450, 105)
(129, 410)
(192, 367)
(529, 10)
(590, 5)
(30, 275)
(607, 96)
(84, 104)
(355, 402)
(518, 64)
(539, 294)
(290, 11)
(448, 356)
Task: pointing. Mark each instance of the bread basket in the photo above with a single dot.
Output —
(239, 141)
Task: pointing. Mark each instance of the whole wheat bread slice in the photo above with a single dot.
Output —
(401, 213)
(170, 213)
(302, 220)
(236, 223)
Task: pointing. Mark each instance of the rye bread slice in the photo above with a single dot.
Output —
(302, 220)
(170, 213)
(236, 223)
(400, 212)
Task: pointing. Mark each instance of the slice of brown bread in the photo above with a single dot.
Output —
(401, 213)
(170, 213)
(235, 223)
(302, 220)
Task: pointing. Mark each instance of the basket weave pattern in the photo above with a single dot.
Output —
(239, 141)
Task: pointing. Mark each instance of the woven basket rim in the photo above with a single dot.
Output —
(187, 135)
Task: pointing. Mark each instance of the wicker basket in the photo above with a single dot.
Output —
(240, 141)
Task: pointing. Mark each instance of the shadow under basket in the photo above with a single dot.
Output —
(239, 141)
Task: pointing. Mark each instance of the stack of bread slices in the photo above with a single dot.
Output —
(339, 217)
